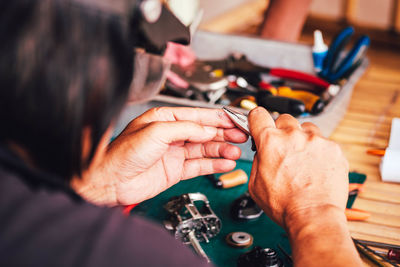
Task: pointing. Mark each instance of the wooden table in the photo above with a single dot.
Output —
(366, 125)
(375, 101)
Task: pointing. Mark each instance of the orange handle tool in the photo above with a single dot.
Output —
(357, 215)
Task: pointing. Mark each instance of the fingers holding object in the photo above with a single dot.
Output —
(198, 167)
(259, 120)
(212, 150)
(202, 116)
(311, 128)
(170, 132)
(286, 121)
(233, 135)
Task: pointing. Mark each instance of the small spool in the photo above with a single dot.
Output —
(233, 179)
(239, 239)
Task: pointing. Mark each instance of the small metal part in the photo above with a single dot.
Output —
(260, 257)
(241, 121)
(244, 208)
(239, 239)
(354, 192)
(238, 118)
(216, 182)
(192, 223)
(168, 225)
(215, 95)
(198, 75)
(196, 245)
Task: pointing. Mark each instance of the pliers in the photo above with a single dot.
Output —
(336, 67)
(241, 121)
(237, 64)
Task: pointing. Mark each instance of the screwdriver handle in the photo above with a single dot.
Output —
(393, 254)
(299, 76)
(280, 104)
(356, 215)
(312, 102)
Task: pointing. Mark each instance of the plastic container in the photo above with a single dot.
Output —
(265, 53)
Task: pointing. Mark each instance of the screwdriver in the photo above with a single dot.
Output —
(280, 104)
(269, 100)
(376, 152)
(378, 244)
(356, 215)
(393, 251)
(313, 103)
(391, 254)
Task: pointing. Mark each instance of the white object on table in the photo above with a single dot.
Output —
(390, 165)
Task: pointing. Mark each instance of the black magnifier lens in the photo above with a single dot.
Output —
(149, 76)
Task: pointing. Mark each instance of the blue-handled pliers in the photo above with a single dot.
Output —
(337, 67)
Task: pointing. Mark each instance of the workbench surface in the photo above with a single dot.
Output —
(366, 125)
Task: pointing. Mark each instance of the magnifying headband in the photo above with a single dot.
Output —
(151, 26)
(150, 22)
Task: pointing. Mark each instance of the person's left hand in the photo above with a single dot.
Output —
(179, 55)
(157, 150)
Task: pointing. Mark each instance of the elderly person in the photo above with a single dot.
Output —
(65, 73)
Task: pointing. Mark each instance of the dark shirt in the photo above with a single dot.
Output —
(44, 223)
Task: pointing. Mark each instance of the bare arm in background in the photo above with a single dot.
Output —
(300, 179)
(284, 19)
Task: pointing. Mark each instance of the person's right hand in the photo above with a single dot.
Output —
(296, 171)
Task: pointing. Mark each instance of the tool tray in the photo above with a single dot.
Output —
(268, 53)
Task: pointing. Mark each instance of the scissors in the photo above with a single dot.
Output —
(241, 121)
(336, 67)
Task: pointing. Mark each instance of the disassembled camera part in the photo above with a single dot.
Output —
(239, 239)
(192, 220)
(260, 257)
(244, 208)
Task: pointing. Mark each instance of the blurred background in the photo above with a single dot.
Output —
(379, 19)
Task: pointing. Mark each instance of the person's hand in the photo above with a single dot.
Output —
(295, 171)
(179, 55)
(160, 148)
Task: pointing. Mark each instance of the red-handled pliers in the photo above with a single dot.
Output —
(239, 65)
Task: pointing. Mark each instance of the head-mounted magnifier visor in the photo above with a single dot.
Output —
(151, 25)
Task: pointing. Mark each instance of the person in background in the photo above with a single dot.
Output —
(284, 19)
(66, 71)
